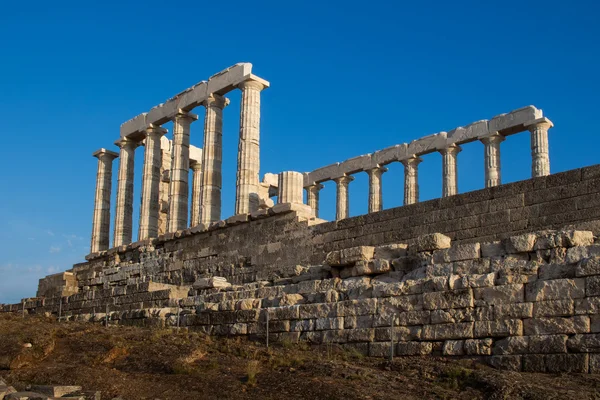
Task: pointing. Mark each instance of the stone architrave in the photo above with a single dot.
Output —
(212, 161)
(411, 179)
(343, 197)
(150, 183)
(312, 197)
(101, 221)
(247, 197)
(449, 172)
(179, 188)
(375, 188)
(196, 193)
(290, 187)
(124, 208)
(540, 160)
(493, 172)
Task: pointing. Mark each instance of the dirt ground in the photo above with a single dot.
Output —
(144, 363)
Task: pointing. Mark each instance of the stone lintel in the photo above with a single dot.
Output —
(514, 121)
(427, 144)
(469, 133)
(195, 155)
(103, 151)
(356, 164)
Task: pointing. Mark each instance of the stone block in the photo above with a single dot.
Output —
(509, 363)
(504, 294)
(594, 363)
(329, 323)
(408, 318)
(356, 307)
(414, 348)
(588, 305)
(450, 299)
(209, 283)
(556, 271)
(595, 323)
(353, 254)
(401, 333)
(556, 363)
(577, 238)
(26, 396)
(390, 251)
(520, 244)
(458, 252)
(514, 121)
(493, 249)
(478, 347)
(511, 345)
(448, 331)
(360, 335)
(554, 308)
(588, 267)
(454, 348)
(592, 285)
(308, 311)
(551, 326)
(507, 327)
(431, 242)
(548, 344)
(557, 289)
(586, 343)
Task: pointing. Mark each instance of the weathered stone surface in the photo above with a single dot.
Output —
(518, 310)
(548, 344)
(354, 254)
(503, 294)
(449, 299)
(454, 348)
(586, 343)
(550, 326)
(556, 363)
(478, 347)
(431, 242)
(414, 348)
(588, 266)
(55, 391)
(554, 308)
(209, 283)
(510, 363)
(557, 289)
(448, 331)
(592, 286)
(509, 327)
(556, 271)
(26, 396)
(457, 252)
(520, 244)
(493, 249)
(511, 345)
(390, 251)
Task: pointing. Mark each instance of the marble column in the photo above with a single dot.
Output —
(124, 208)
(493, 173)
(312, 197)
(411, 179)
(212, 161)
(375, 189)
(196, 193)
(150, 183)
(290, 187)
(540, 160)
(246, 199)
(101, 222)
(343, 197)
(178, 187)
(449, 173)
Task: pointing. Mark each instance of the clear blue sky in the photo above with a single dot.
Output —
(347, 78)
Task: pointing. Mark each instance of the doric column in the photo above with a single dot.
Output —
(196, 194)
(540, 160)
(290, 187)
(375, 189)
(212, 161)
(124, 209)
(179, 188)
(150, 183)
(246, 199)
(343, 197)
(449, 173)
(493, 173)
(411, 179)
(312, 197)
(101, 222)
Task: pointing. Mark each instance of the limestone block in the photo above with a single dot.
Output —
(457, 252)
(556, 363)
(478, 347)
(323, 174)
(454, 348)
(389, 154)
(594, 363)
(507, 327)
(544, 344)
(414, 348)
(427, 144)
(509, 363)
(379, 349)
(26, 396)
(451, 299)
(458, 282)
(592, 285)
(588, 305)
(284, 313)
(307, 311)
(577, 238)
(556, 271)
(431, 242)
(551, 326)
(408, 318)
(208, 283)
(514, 121)
(578, 253)
(493, 249)
(557, 289)
(520, 244)
(469, 133)
(396, 305)
(354, 254)
(448, 331)
(334, 258)
(302, 325)
(503, 294)
(356, 307)
(588, 266)
(589, 343)
(511, 345)
(548, 240)
(554, 308)
(360, 335)
(595, 323)
(401, 333)
(356, 164)
(358, 322)
(390, 251)
(329, 323)
(468, 267)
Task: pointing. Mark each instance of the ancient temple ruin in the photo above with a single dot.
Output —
(509, 274)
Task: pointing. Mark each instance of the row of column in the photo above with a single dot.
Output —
(540, 167)
(207, 175)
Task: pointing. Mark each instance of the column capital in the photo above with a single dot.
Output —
(103, 153)
(314, 186)
(196, 166)
(254, 82)
(412, 161)
(543, 122)
(126, 142)
(181, 114)
(452, 150)
(215, 100)
(154, 130)
(493, 138)
(344, 180)
(376, 170)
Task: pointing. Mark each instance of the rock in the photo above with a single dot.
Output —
(554, 308)
(520, 244)
(511, 345)
(592, 285)
(548, 344)
(454, 348)
(209, 283)
(26, 396)
(507, 327)
(448, 331)
(55, 391)
(414, 348)
(353, 254)
(504, 294)
(458, 252)
(587, 343)
(449, 299)
(510, 363)
(493, 249)
(577, 238)
(550, 326)
(588, 266)
(27, 345)
(519, 310)
(431, 242)
(390, 251)
(478, 347)
(556, 289)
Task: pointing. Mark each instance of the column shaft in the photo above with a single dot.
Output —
(101, 221)
(196, 194)
(343, 197)
(375, 189)
(179, 188)
(449, 172)
(493, 172)
(124, 207)
(150, 183)
(312, 197)
(540, 160)
(212, 161)
(411, 180)
(290, 187)
(248, 151)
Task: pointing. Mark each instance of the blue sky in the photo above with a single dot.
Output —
(347, 78)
